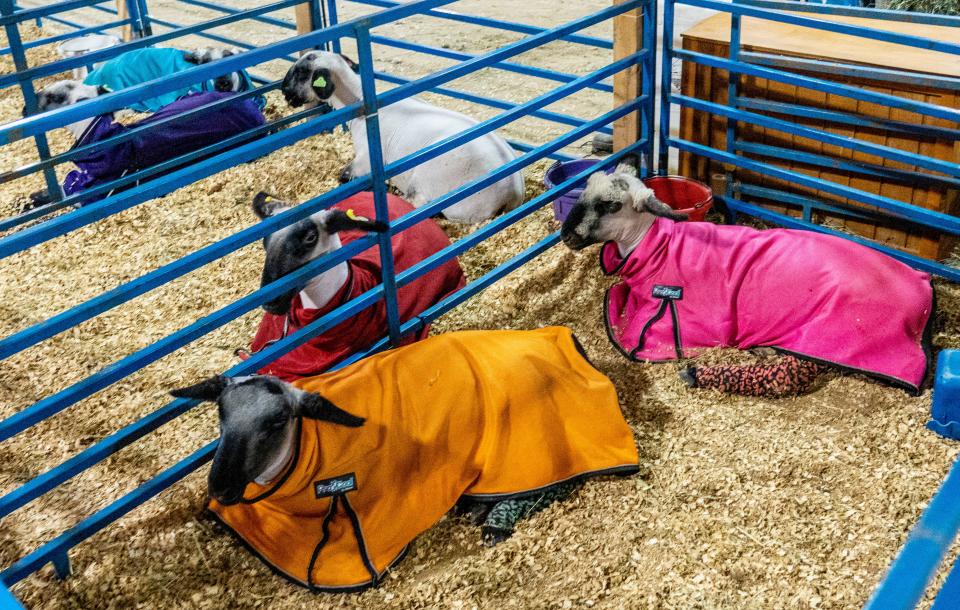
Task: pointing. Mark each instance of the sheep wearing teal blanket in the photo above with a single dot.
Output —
(142, 65)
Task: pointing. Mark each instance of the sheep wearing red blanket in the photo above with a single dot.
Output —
(345, 222)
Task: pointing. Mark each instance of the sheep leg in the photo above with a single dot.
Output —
(37, 199)
(346, 174)
(504, 516)
(474, 511)
(790, 376)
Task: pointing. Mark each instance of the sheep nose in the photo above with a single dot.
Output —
(571, 240)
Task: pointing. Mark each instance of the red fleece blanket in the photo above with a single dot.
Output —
(365, 328)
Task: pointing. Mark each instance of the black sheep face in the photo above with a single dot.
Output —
(609, 206)
(257, 422)
(293, 246)
(226, 83)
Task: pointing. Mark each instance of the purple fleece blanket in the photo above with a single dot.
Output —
(157, 145)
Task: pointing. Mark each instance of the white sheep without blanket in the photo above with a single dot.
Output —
(406, 127)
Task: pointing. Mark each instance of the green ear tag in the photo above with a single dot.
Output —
(320, 83)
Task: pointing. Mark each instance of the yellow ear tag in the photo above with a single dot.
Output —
(352, 216)
(320, 83)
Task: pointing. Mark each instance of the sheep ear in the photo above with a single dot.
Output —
(659, 208)
(645, 201)
(192, 57)
(266, 205)
(625, 167)
(315, 406)
(208, 389)
(338, 221)
(352, 64)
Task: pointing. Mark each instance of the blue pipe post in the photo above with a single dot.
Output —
(333, 19)
(143, 10)
(905, 581)
(375, 153)
(733, 92)
(12, 28)
(135, 19)
(648, 67)
(666, 70)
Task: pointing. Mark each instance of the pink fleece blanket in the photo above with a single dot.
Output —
(691, 286)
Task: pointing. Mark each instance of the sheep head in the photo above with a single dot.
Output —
(226, 83)
(65, 93)
(311, 79)
(610, 206)
(257, 424)
(294, 246)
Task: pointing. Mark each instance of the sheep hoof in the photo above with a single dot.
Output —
(37, 199)
(493, 536)
(346, 175)
(475, 512)
(689, 376)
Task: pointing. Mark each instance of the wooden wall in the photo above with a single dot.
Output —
(711, 84)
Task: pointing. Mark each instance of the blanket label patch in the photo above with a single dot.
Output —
(672, 293)
(335, 485)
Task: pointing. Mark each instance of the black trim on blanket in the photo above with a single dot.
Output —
(325, 529)
(926, 340)
(361, 542)
(296, 581)
(609, 329)
(643, 331)
(583, 353)
(675, 317)
(86, 132)
(344, 297)
(624, 470)
(619, 266)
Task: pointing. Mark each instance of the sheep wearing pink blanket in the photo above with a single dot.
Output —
(687, 287)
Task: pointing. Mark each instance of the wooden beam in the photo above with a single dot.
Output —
(627, 39)
(122, 13)
(304, 20)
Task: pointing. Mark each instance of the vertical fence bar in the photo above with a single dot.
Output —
(649, 75)
(143, 12)
(666, 71)
(29, 96)
(316, 16)
(375, 152)
(733, 92)
(333, 20)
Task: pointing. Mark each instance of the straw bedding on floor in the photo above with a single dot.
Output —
(741, 503)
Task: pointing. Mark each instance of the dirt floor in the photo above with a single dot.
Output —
(741, 503)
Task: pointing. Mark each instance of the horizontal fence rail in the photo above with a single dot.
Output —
(49, 222)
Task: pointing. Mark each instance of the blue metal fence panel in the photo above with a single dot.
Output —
(276, 134)
(917, 562)
(923, 547)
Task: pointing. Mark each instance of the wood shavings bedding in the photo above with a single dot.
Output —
(741, 503)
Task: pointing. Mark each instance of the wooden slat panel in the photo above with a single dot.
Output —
(710, 84)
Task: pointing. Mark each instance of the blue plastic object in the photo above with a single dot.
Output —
(946, 395)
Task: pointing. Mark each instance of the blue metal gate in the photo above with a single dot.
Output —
(906, 581)
(37, 226)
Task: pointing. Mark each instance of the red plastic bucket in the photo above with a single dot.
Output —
(683, 195)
